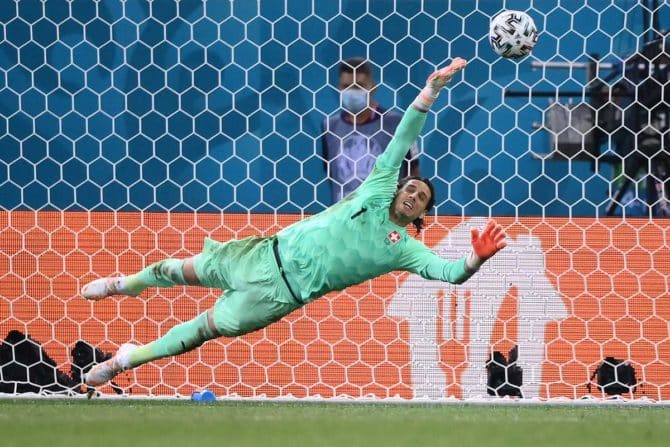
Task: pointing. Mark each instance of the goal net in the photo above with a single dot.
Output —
(131, 130)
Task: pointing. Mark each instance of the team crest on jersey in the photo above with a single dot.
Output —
(393, 237)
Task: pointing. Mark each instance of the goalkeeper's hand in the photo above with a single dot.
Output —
(441, 77)
(436, 82)
(485, 244)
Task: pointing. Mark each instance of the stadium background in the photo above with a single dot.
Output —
(120, 119)
(218, 106)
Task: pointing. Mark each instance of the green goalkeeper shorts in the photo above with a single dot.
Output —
(255, 293)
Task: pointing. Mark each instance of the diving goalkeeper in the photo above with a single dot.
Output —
(265, 278)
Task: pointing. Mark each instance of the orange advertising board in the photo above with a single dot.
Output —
(567, 292)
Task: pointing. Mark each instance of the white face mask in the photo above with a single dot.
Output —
(355, 100)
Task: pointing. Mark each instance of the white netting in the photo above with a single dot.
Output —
(130, 130)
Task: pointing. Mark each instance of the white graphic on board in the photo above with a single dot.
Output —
(520, 265)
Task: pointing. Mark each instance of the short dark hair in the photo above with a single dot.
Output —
(356, 65)
(418, 222)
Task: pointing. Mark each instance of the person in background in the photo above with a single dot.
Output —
(355, 136)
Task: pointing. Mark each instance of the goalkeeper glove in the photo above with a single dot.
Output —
(485, 244)
(436, 82)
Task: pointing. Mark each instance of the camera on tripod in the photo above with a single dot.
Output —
(637, 117)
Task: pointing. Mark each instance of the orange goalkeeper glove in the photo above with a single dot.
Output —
(436, 82)
(485, 244)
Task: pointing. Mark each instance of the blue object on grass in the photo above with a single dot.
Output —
(203, 396)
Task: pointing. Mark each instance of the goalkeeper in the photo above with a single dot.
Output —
(265, 278)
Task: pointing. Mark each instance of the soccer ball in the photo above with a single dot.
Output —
(513, 34)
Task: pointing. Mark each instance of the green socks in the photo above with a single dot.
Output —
(166, 273)
(181, 338)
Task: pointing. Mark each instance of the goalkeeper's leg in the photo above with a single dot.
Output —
(166, 273)
(235, 313)
(181, 338)
(256, 298)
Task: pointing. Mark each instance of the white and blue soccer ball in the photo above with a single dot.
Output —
(513, 34)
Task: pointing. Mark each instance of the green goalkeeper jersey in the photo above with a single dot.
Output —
(355, 239)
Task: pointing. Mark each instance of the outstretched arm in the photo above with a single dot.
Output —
(414, 118)
(421, 260)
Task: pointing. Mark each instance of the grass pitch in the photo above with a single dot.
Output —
(98, 423)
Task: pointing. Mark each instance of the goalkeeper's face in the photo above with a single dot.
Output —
(411, 201)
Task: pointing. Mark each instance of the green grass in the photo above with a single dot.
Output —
(98, 423)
